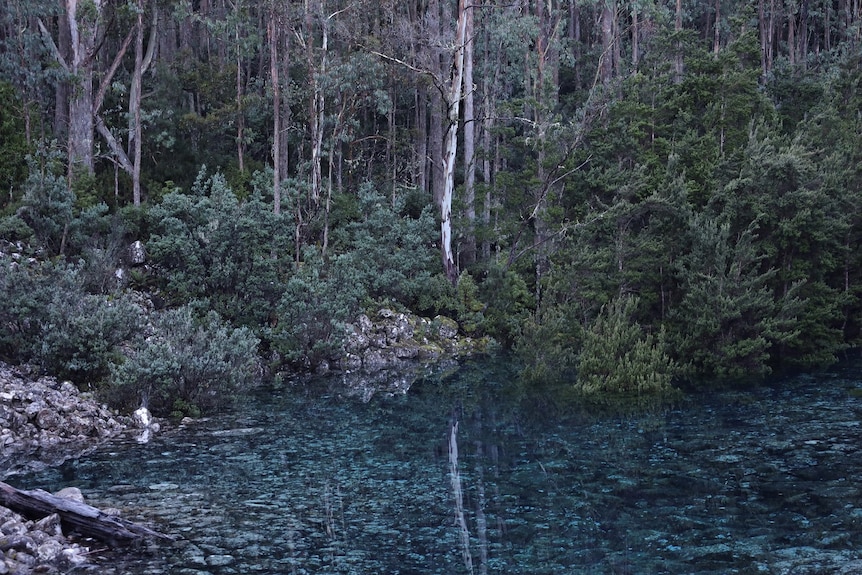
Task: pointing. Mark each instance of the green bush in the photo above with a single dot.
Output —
(619, 357)
(186, 366)
(48, 318)
(209, 246)
(318, 301)
(82, 334)
(392, 254)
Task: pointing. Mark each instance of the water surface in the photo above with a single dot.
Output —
(305, 479)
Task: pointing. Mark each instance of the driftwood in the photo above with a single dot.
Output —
(75, 516)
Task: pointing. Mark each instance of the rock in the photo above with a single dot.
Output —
(142, 417)
(71, 493)
(44, 421)
(48, 419)
(447, 328)
(50, 524)
(49, 550)
(137, 253)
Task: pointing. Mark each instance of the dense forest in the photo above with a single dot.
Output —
(623, 192)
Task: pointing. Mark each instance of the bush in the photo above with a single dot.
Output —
(48, 318)
(207, 245)
(82, 334)
(393, 257)
(187, 366)
(618, 357)
(318, 302)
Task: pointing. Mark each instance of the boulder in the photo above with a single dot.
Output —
(137, 253)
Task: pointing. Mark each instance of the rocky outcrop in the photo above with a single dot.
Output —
(385, 352)
(37, 546)
(394, 340)
(44, 421)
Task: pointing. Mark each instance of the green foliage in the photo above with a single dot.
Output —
(548, 345)
(186, 364)
(317, 303)
(725, 323)
(392, 253)
(509, 304)
(48, 204)
(209, 246)
(619, 357)
(13, 147)
(81, 336)
(49, 319)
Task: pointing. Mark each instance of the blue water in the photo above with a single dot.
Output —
(309, 479)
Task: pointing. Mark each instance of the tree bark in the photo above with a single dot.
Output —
(135, 105)
(83, 31)
(76, 516)
(454, 104)
(469, 251)
(272, 33)
(607, 29)
(435, 111)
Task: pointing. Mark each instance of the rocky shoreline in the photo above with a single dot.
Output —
(43, 422)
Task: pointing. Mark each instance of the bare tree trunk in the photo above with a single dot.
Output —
(635, 38)
(61, 102)
(135, 105)
(318, 103)
(272, 33)
(607, 26)
(678, 60)
(716, 40)
(454, 103)
(469, 252)
(435, 112)
(421, 167)
(240, 115)
(83, 30)
(575, 37)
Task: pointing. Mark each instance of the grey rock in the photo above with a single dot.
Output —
(137, 253)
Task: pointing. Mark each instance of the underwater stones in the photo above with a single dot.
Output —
(219, 560)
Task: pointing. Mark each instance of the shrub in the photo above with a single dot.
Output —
(48, 318)
(618, 357)
(82, 334)
(318, 301)
(187, 366)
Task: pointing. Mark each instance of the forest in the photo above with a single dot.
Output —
(624, 193)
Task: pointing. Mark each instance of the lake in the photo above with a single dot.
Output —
(303, 479)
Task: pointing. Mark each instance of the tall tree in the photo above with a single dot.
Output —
(453, 103)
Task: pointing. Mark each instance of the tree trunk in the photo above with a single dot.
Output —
(83, 31)
(76, 516)
(272, 33)
(135, 105)
(606, 65)
(678, 60)
(716, 39)
(435, 111)
(454, 103)
(240, 115)
(469, 251)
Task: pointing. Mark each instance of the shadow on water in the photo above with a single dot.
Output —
(307, 478)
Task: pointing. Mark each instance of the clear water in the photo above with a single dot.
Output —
(304, 479)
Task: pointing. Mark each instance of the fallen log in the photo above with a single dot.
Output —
(76, 516)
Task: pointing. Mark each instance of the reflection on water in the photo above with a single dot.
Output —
(304, 480)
